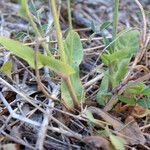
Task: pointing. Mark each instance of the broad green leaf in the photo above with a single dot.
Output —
(116, 56)
(118, 142)
(102, 94)
(74, 56)
(27, 54)
(66, 95)
(129, 41)
(136, 89)
(105, 59)
(144, 103)
(146, 91)
(120, 71)
(73, 49)
(6, 68)
(78, 88)
(127, 100)
(126, 45)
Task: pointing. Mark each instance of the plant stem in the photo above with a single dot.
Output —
(62, 52)
(36, 29)
(58, 31)
(69, 14)
(115, 18)
(71, 91)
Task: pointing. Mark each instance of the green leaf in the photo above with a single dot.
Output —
(32, 8)
(126, 44)
(6, 68)
(27, 54)
(118, 55)
(105, 59)
(121, 70)
(146, 91)
(73, 49)
(23, 8)
(128, 40)
(56, 65)
(118, 142)
(144, 103)
(93, 26)
(20, 50)
(74, 56)
(66, 95)
(104, 25)
(136, 89)
(127, 100)
(103, 94)
(89, 115)
(20, 35)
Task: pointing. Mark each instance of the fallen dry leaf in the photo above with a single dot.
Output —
(136, 111)
(98, 142)
(131, 131)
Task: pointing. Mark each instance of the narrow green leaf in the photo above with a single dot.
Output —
(104, 25)
(105, 59)
(27, 54)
